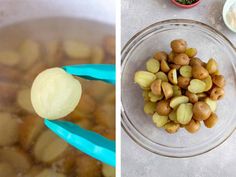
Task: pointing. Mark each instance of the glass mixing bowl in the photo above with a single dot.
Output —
(210, 44)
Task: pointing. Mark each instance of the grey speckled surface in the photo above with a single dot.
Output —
(138, 162)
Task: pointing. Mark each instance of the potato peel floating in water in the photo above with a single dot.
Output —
(55, 93)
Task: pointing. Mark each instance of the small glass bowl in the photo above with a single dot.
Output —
(210, 44)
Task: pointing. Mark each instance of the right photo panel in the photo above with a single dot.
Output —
(178, 86)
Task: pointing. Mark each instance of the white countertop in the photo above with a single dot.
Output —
(138, 162)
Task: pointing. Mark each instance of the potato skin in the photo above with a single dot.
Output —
(193, 126)
(193, 98)
(218, 80)
(163, 108)
(156, 87)
(178, 45)
(181, 59)
(196, 61)
(211, 121)
(183, 82)
(217, 93)
(199, 72)
(201, 111)
(160, 56)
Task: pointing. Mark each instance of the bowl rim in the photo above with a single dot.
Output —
(224, 14)
(123, 112)
(185, 6)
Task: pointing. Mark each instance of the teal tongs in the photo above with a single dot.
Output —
(87, 141)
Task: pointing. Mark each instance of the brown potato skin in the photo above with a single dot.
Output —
(201, 111)
(181, 59)
(211, 66)
(163, 108)
(193, 126)
(199, 72)
(164, 66)
(156, 87)
(172, 127)
(183, 82)
(211, 121)
(193, 98)
(218, 80)
(160, 56)
(178, 45)
(217, 93)
(196, 61)
(174, 66)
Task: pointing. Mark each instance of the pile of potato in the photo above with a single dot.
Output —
(180, 90)
(27, 147)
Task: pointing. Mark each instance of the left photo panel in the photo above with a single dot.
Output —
(57, 88)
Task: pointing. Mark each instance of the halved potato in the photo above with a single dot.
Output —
(196, 86)
(176, 101)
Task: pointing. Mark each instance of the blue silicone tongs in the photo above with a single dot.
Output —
(87, 141)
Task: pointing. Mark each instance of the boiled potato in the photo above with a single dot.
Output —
(196, 86)
(176, 101)
(184, 113)
(178, 45)
(186, 71)
(199, 72)
(144, 79)
(171, 127)
(160, 56)
(159, 120)
(201, 111)
(55, 94)
(163, 108)
(193, 126)
(153, 65)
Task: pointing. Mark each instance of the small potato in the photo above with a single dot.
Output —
(153, 65)
(88, 167)
(174, 66)
(172, 76)
(199, 72)
(167, 89)
(181, 59)
(173, 117)
(164, 66)
(145, 95)
(183, 82)
(211, 103)
(144, 79)
(159, 120)
(150, 108)
(193, 126)
(176, 101)
(171, 57)
(208, 82)
(9, 57)
(161, 75)
(196, 61)
(176, 91)
(211, 66)
(172, 127)
(76, 49)
(160, 56)
(218, 80)
(184, 113)
(201, 111)
(178, 45)
(211, 121)
(217, 93)
(97, 54)
(193, 98)
(154, 98)
(163, 108)
(186, 71)
(30, 53)
(191, 52)
(196, 86)
(156, 87)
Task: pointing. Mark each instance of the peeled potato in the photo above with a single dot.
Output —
(9, 57)
(108, 171)
(9, 129)
(30, 53)
(18, 159)
(6, 170)
(49, 147)
(88, 167)
(30, 129)
(76, 49)
(55, 94)
(49, 173)
(23, 100)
